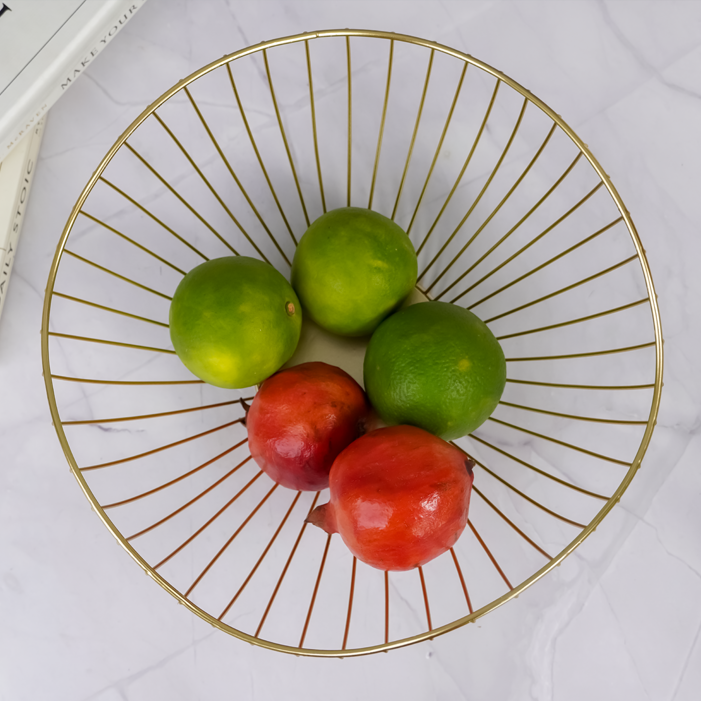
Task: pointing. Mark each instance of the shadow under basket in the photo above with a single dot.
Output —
(511, 217)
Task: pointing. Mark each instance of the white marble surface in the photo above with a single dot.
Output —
(620, 621)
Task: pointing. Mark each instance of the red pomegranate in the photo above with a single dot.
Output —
(301, 419)
(399, 497)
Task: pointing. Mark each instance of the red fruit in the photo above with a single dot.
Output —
(301, 419)
(399, 497)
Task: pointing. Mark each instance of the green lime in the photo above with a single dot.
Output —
(436, 366)
(352, 268)
(234, 321)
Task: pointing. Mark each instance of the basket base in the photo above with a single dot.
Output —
(347, 353)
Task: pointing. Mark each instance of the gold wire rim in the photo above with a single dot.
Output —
(557, 559)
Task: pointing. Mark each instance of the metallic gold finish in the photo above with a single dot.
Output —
(580, 320)
(117, 275)
(462, 172)
(350, 604)
(569, 485)
(512, 524)
(176, 194)
(109, 309)
(262, 557)
(475, 203)
(413, 136)
(199, 577)
(205, 180)
(65, 378)
(462, 580)
(191, 502)
(438, 148)
(257, 152)
(562, 443)
(161, 448)
(150, 416)
(382, 124)
(284, 136)
(173, 481)
(136, 346)
(316, 142)
(425, 593)
(489, 554)
(567, 288)
(315, 592)
(573, 416)
(529, 499)
(132, 242)
(553, 381)
(287, 564)
(148, 213)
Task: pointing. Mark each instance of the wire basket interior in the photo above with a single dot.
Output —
(511, 217)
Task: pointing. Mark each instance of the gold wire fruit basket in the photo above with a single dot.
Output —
(511, 216)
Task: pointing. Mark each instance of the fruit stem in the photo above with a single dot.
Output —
(323, 517)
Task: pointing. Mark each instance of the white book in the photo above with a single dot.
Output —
(16, 176)
(45, 45)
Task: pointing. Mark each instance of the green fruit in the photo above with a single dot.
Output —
(352, 268)
(234, 321)
(436, 366)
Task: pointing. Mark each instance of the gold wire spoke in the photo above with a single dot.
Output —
(80, 300)
(579, 320)
(350, 604)
(131, 241)
(285, 568)
(562, 385)
(161, 448)
(117, 275)
(238, 182)
(538, 268)
(439, 146)
(496, 210)
(474, 204)
(158, 415)
(425, 595)
(252, 139)
(314, 133)
(565, 444)
(104, 341)
(231, 539)
(205, 179)
(382, 123)
(284, 136)
(462, 580)
(389, 75)
(573, 417)
(533, 241)
(562, 482)
(535, 502)
(486, 549)
(588, 354)
(196, 498)
(566, 288)
(170, 483)
(179, 197)
(150, 214)
(261, 558)
(126, 383)
(315, 592)
(475, 143)
(416, 130)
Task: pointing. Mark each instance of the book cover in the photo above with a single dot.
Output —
(45, 45)
(16, 176)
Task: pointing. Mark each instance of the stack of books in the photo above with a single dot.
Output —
(45, 46)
